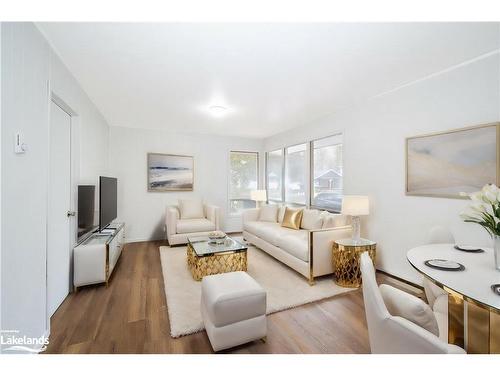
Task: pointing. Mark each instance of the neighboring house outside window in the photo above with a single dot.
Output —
(307, 174)
(326, 161)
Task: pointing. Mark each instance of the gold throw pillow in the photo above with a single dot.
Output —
(292, 218)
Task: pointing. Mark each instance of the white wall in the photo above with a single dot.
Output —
(143, 211)
(0, 179)
(374, 156)
(29, 67)
(89, 124)
(93, 128)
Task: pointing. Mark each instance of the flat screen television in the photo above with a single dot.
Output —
(86, 207)
(107, 201)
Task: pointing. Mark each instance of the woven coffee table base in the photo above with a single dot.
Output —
(215, 263)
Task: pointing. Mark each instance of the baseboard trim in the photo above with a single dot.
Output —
(133, 240)
(400, 279)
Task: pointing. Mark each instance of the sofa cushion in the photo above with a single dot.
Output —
(252, 226)
(268, 213)
(191, 209)
(194, 225)
(232, 297)
(295, 242)
(292, 218)
(407, 306)
(281, 213)
(267, 231)
(311, 219)
(270, 232)
(333, 220)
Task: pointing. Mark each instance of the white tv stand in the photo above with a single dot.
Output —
(94, 259)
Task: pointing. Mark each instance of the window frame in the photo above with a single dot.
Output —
(282, 200)
(309, 173)
(306, 154)
(257, 153)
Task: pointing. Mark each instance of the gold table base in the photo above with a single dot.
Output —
(474, 327)
(229, 261)
(346, 266)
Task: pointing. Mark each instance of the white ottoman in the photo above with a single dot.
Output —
(233, 307)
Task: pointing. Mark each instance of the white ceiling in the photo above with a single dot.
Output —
(273, 77)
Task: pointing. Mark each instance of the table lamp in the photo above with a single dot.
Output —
(355, 206)
(258, 196)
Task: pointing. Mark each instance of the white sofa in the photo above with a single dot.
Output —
(307, 250)
(190, 218)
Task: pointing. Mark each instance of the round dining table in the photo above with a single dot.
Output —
(473, 305)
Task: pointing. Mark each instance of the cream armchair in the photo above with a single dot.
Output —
(182, 221)
(397, 321)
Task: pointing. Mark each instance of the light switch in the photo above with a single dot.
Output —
(19, 145)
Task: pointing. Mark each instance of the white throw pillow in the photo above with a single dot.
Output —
(311, 219)
(191, 209)
(268, 213)
(281, 213)
(333, 220)
(405, 305)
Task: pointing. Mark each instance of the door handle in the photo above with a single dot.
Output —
(70, 213)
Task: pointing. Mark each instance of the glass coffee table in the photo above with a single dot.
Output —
(206, 258)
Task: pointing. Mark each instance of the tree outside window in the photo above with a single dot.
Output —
(244, 167)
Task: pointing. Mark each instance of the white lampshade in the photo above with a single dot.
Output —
(258, 195)
(355, 205)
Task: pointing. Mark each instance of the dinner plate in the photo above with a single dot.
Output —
(496, 288)
(444, 265)
(469, 249)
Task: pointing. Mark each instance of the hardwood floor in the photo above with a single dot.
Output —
(130, 316)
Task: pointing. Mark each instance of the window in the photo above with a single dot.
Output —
(243, 179)
(326, 186)
(296, 174)
(274, 178)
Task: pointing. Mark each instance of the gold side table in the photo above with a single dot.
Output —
(346, 268)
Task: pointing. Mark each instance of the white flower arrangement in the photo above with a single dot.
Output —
(484, 209)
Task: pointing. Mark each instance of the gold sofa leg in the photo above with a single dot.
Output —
(311, 269)
(311, 281)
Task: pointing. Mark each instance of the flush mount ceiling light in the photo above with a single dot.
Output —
(217, 110)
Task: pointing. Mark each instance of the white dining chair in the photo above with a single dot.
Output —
(440, 234)
(437, 298)
(390, 334)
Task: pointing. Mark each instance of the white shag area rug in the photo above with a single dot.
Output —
(285, 288)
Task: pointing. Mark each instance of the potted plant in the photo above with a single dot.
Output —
(485, 211)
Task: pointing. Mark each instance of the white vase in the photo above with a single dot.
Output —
(496, 250)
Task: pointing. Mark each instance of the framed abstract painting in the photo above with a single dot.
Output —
(168, 172)
(448, 163)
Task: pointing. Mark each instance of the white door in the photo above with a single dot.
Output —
(58, 235)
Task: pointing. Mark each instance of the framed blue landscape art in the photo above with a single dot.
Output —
(167, 172)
